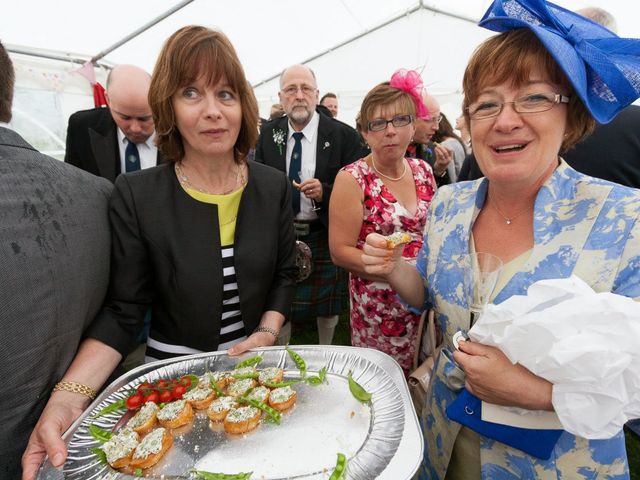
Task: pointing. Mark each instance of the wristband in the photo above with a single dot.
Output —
(75, 387)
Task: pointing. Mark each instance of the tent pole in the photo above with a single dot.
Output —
(420, 6)
(137, 32)
(51, 55)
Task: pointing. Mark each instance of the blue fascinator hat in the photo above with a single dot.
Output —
(603, 68)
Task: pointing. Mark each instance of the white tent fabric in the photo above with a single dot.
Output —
(350, 49)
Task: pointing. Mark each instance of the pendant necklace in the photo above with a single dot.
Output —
(404, 170)
(185, 182)
(507, 220)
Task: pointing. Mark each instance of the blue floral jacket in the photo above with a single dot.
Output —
(582, 226)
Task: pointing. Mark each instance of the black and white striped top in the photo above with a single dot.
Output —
(231, 326)
(232, 329)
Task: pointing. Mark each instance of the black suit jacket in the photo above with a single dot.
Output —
(337, 145)
(166, 254)
(92, 143)
(612, 151)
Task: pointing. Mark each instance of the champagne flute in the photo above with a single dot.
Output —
(481, 272)
(306, 173)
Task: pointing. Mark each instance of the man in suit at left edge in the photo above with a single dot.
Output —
(120, 138)
(54, 272)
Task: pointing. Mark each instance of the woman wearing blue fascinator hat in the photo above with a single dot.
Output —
(530, 93)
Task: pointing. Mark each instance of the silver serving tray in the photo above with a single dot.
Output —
(381, 439)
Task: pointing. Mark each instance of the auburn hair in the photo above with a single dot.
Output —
(382, 95)
(512, 57)
(190, 53)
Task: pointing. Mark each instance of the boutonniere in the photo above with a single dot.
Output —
(326, 145)
(278, 139)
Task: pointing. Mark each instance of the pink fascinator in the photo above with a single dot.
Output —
(409, 81)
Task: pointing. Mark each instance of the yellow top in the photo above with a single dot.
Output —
(228, 206)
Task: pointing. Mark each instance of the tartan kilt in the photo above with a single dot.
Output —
(325, 292)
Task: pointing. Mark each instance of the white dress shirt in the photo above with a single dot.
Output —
(309, 143)
(147, 151)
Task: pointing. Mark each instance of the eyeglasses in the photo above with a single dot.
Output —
(379, 124)
(534, 103)
(291, 90)
(435, 120)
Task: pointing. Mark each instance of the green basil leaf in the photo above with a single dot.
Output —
(98, 452)
(194, 381)
(100, 434)
(114, 407)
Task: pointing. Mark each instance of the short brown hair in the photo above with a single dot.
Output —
(381, 95)
(511, 57)
(328, 95)
(7, 82)
(190, 52)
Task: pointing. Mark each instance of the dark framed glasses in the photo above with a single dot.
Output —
(379, 124)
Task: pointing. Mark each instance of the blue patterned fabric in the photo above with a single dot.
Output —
(582, 226)
(602, 67)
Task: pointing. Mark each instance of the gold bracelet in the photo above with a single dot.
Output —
(273, 332)
(75, 387)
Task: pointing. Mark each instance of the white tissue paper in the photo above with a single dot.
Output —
(586, 343)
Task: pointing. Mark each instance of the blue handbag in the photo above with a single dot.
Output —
(467, 410)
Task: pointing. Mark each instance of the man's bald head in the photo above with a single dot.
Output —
(426, 128)
(601, 16)
(127, 92)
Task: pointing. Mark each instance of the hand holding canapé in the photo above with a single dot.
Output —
(381, 253)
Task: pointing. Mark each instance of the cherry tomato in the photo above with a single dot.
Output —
(186, 381)
(144, 386)
(178, 391)
(162, 383)
(152, 397)
(134, 401)
(166, 396)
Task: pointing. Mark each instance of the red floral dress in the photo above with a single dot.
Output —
(378, 319)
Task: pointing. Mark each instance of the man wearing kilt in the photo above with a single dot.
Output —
(311, 147)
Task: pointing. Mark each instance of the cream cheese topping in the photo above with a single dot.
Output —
(242, 414)
(151, 444)
(259, 393)
(282, 394)
(269, 374)
(120, 445)
(172, 410)
(217, 376)
(143, 415)
(239, 387)
(221, 404)
(202, 391)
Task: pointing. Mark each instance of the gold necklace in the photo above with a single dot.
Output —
(404, 170)
(507, 220)
(185, 182)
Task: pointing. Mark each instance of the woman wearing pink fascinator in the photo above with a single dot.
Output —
(386, 193)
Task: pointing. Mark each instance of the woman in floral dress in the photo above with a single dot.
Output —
(383, 193)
